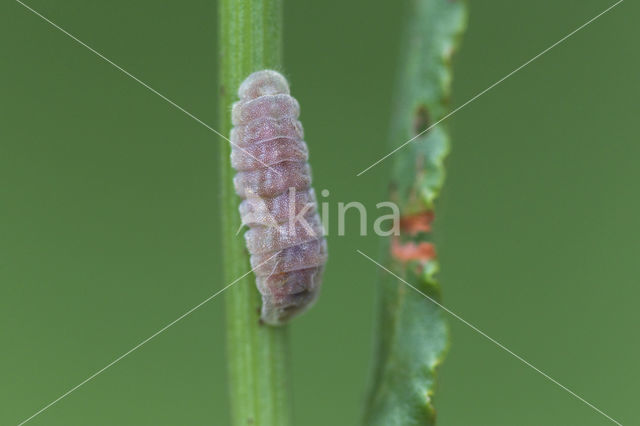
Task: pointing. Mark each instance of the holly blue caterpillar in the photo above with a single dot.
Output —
(286, 239)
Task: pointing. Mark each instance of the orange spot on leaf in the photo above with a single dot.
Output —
(404, 252)
(415, 223)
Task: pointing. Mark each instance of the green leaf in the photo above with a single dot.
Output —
(412, 335)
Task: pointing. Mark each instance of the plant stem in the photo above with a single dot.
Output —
(250, 40)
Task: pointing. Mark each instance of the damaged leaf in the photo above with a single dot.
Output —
(411, 337)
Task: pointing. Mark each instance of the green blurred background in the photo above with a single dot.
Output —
(109, 211)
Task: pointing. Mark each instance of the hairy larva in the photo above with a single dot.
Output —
(286, 238)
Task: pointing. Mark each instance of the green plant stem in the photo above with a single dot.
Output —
(250, 39)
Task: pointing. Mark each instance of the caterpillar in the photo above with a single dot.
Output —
(285, 239)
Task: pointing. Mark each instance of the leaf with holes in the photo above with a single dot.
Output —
(411, 332)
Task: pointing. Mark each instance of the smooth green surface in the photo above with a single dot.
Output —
(411, 336)
(109, 224)
(250, 39)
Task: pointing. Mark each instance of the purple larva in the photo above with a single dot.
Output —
(285, 239)
(273, 180)
(256, 211)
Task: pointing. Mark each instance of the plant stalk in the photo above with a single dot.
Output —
(250, 39)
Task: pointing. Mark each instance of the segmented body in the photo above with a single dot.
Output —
(285, 239)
